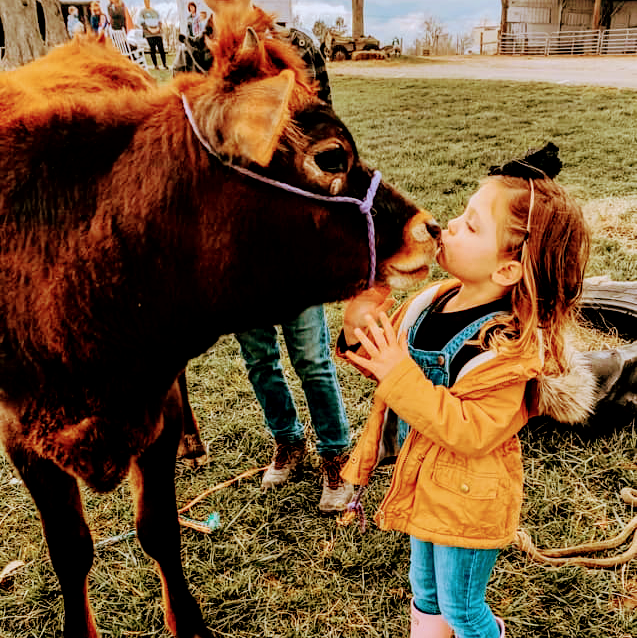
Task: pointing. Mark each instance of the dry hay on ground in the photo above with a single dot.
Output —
(586, 338)
(368, 55)
(614, 218)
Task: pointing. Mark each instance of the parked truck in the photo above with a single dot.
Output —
(338, 47)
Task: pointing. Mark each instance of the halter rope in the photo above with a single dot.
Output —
(364, 205)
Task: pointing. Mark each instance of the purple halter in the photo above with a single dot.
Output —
(364, 205)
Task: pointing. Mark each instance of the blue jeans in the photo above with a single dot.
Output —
(452, 581)
(308, 342)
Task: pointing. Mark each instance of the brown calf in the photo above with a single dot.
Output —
(126, 249)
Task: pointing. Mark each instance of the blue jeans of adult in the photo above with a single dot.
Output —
(307, 340)
(452, 581)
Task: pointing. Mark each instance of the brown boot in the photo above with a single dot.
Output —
(337, 493)
(286, 457)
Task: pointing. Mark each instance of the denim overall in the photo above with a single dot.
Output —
(449, 580)
(436, 364)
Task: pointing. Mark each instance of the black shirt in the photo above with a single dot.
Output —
(438, 328)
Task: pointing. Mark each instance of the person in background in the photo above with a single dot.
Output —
(151, 25)
(201, 23)
(192, 22)
(72, 19)
(117, 14)
(98, 21)
(457, 369)
(308, 343)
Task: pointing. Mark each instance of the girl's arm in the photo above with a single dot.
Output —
(472, 426)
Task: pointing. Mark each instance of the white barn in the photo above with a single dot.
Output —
(549, 16)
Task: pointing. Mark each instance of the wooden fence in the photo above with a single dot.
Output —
(602, 42)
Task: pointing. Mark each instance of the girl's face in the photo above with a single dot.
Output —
(470, 247)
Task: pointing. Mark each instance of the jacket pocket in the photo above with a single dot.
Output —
(465, 483)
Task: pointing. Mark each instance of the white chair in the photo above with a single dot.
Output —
(118, 37)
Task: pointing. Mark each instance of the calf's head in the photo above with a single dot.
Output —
(264, 114)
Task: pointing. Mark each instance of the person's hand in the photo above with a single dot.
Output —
(384, 349)
(372, 302)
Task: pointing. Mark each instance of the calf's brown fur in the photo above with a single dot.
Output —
(126, 249)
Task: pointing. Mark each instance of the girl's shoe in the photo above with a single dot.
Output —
(428, 625)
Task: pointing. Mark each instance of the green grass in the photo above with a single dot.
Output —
(275, 568)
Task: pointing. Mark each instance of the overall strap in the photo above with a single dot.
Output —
(454, 345)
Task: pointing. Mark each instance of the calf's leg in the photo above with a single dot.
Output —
(191, 447)
(153, 488)
(58, 500)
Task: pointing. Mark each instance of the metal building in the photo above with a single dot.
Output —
(548, 16)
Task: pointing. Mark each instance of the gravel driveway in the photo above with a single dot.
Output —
(609, 71)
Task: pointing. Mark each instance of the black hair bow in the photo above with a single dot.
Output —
(536, 164)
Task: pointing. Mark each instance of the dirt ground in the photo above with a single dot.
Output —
(609, 71)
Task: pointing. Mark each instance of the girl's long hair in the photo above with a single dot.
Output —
(553, 248)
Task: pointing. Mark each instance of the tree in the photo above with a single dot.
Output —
(463, 41)
(339, 25)
(29, 29)
(319, 30)
(434, 35)
(358, 26)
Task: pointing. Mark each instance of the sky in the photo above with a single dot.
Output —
(384, 19)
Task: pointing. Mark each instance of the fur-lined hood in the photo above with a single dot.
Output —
(594, 378)
(571, 397)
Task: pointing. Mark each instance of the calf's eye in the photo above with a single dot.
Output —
(333, 160)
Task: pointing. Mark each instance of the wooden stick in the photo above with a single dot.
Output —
(221, 486)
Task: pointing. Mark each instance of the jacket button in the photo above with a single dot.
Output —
(464, 488)
(441, 360)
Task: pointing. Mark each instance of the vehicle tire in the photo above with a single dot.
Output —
(339, 54)
(611, 305)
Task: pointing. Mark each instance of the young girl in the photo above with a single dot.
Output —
(453, 366)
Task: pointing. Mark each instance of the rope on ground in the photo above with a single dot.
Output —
(573, 555)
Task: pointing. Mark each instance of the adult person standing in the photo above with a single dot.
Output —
(117, 14)
(72, 20)
(151, 24)
(307, 340)
(97, 20)
(192, 23)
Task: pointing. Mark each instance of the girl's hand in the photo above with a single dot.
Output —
(372, 302)
(385, 352)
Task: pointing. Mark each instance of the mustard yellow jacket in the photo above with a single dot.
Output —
(458, 478)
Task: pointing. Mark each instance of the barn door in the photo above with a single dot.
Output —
(29, 28)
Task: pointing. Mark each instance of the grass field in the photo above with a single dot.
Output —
(275, 568)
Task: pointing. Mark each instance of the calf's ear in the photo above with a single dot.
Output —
(246, 124)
